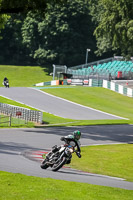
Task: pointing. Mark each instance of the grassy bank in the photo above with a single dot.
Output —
(112, 160)
(23, 76)
(18, 186)
(98, 98)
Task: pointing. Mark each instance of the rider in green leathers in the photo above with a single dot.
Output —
(75, 138)
(71, 141)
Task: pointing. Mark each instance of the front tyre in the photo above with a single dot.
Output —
(58, 165)
(44, 165)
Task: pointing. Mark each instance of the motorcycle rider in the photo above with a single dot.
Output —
(75, 138)
(67, 139)
(6, 82)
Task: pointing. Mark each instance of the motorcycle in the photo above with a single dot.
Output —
(6, 84)
(58, 157)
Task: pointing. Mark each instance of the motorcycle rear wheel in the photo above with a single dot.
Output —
(44, 165)
(60, 164)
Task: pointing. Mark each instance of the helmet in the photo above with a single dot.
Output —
(77, 135)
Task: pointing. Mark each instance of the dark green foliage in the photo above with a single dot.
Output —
(60, 35)
(114, 21)
(12, 51)
(17, 6)
(60, 31)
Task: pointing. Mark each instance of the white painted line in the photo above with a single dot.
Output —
(79, 104)
(104, 176)
(37, 157)
(27, 105)
(113, 143)
(61, 99)
(15, 100)
(99, 175)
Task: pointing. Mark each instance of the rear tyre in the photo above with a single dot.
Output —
(44, 165)
(58, 165)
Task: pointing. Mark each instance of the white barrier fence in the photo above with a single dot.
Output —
(118, 88)
(123, 87)
(22, 113)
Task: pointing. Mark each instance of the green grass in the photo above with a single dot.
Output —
(15, 122)
(23, 76)
(18, 187)
(112, 160)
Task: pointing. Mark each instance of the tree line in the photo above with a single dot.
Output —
(45, 32)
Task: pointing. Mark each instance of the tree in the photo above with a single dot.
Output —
(17, 6)
(62, 35)
(12, 50)
(3, 17)
(114, 25)
(8, 7)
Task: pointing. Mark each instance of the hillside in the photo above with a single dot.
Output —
(23, 76)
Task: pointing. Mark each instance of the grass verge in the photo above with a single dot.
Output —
(98, 98)
(15, 122)
(18, 186)
(24, 76)
(112, 160)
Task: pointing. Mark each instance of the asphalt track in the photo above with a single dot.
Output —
(54, 105)
(15, 144)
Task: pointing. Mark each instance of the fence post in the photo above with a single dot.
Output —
(26, 114)
(10, 119)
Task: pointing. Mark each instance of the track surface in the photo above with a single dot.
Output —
(54, 105)
(16, 143)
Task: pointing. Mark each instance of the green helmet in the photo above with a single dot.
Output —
(77, 135)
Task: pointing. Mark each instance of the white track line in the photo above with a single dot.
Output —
(63, 100)
(24, 104)
(79, 104)
(39, 157)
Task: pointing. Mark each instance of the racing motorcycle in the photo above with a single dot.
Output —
(6, 83)
(59, 156)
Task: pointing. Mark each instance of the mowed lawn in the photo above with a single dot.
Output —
(22, 187)
(23, 76)
(98, 98)
(112, 160)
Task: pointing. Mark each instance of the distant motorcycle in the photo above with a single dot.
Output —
(6, 84)
(59, 157)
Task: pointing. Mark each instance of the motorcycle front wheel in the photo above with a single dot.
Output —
(58, 165)
(44, 165)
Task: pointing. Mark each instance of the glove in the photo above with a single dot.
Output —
(78, 154)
